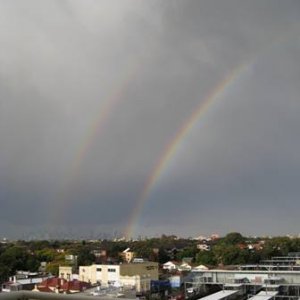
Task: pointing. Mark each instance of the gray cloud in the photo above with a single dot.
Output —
(62, 62)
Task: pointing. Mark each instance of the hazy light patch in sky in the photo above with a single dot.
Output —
(60, 61)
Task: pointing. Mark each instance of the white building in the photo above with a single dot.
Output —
(67, 272)
(170, 266)
(132, 275)
(127, 255)
(184, 267)
(23, 280)
(200, 268)
(104, 274)
(203, 247)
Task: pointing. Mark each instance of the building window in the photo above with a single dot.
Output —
(111, 270)
(99, 269)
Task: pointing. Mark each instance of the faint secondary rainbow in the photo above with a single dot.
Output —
(93, 133)
(98, 125)
(172, 147)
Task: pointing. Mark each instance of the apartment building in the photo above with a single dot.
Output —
(132, 275)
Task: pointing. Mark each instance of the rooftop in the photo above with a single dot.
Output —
(220, 295)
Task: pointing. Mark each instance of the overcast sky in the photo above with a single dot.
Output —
(91, 93)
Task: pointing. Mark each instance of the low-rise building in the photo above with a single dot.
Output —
(43, 267)
(67, 272)
(184, 267)
(170, 266)
(99, 253)
(61, 285)
(23, 280)
(131, 275)
(200, 268)
(71, 260)
(127, 255)
(203, 247)
(103, 274)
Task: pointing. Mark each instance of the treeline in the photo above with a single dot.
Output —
(28, 256)
(230, 250)
(234, 249)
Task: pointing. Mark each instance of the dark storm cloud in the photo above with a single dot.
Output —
(248, 164)
(61, 62)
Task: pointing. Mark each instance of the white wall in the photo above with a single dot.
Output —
(100, 273)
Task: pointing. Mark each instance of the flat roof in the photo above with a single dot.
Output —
(219, 295)
(249, 271)
(234, 284)
(263, 295)
(275, 278)
(285, 259)
(275, 286)
(269, 266)
(31, 280)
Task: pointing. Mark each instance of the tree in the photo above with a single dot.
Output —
(233, 238)
(187, 252)
(277, 246)
(230, 254)
(14, 258)
(46, 254)
(38, 245)
(85, 257)
(53, 268)
(32, 264)
(163, 257)
(4, 272)
(206, 258)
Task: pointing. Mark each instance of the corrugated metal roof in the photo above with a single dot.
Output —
(31, 280)
(264, 295)
(219, 295)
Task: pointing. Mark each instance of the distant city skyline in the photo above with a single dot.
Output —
(144, 118)
(118, 236)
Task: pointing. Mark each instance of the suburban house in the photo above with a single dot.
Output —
(170, 266)
(61, 285)
(67, 272)
(203, 247)
(184, 267)
(99, 253)
(127, 255)
(200, 268)
(23, 280)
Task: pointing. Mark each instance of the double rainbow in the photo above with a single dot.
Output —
(171, 148)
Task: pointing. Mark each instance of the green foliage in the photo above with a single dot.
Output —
(232, 249)
(85, 257)
(279, 246)
(142, 250)
(189, 251)
(254, 257)
(233, 238)
(38, 245)
(5, 271)
(14, 257)
(53, 268)
(206, 258)
(46, 254)
(163, 256)
(32, 264)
